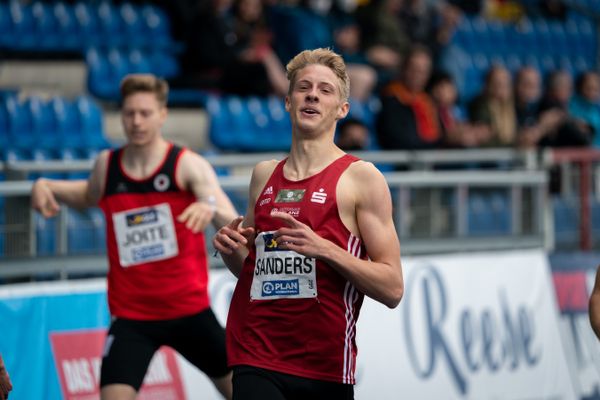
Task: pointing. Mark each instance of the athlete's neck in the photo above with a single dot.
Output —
(309, 157)
(142, 161)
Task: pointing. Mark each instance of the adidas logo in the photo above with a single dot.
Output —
(268, 190)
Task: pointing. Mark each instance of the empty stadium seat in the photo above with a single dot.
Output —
(23, 26)
(566, 221)
(19, 124)
(67, 29)
(44, 130)
(67, 122)
(90, 123)
(85, 231)
(45, 233)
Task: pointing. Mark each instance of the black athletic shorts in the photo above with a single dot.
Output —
(252, 383)
(130, 345)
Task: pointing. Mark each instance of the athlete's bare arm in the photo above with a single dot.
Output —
(233, 240)
(594, 308)
(197, 175)
(5, 383)
(47, 194)
(366, 209)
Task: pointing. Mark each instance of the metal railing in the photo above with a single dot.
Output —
(431, 208)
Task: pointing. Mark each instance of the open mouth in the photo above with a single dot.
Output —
(309, 111)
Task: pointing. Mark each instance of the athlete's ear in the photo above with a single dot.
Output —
(287, 103)
(164, 112)
(343, 110)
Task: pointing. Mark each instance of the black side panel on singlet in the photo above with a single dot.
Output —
(161, 181)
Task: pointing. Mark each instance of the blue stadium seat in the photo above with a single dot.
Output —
(40, 156)
(45, 233)
(558, 36)
(280, 126)
(566, 221)
(138, 62)
(44, 129)
(85, 231)
(164, 63)
(46, 26)
(157, 26)
(67, 122)
(6, 28)
(479, 218)
(489, 212)
(2, 223)
(241, 124)
(133, 26)
(91, 125)
(88, 24)
(220, 124)
(499, 202)
(109, 23)
(70, 37)
(100, 80)
(19, 124)
(4, 137)
(24, 35)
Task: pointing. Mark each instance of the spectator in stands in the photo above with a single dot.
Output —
(347, 39)
(234, 41)
(455, 130)
(408, 118)
(383, 39)
(326, 217)
(560, 129)
(584, 104)
(494, 107)
(157, 199)
(352, 134)
(431, 24)
(594, 306)
(5, 383)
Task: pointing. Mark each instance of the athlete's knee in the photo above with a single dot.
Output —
(117, 391)
(224, 385)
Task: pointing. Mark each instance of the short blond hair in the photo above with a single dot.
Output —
(321, 56)
(148, 83)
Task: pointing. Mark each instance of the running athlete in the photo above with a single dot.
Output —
(5, 384)
(318, 235)
(594, 307)
(157, 199)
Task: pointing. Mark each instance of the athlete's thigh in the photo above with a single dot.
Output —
(250, 383)
(201, 340)
(127, 354)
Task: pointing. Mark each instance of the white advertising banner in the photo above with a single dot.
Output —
(470, 326)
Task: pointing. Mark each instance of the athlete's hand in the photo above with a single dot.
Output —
(5, 384)
(298, 237)
(197, 215)
(42, 199)
(232, 236)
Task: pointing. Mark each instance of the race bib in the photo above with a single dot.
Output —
(281, 274)
(145, 235)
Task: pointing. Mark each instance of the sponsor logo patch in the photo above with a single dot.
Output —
(290, 195)
(281, 288)
(270, 243)
(141, 218)
(319, 197)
